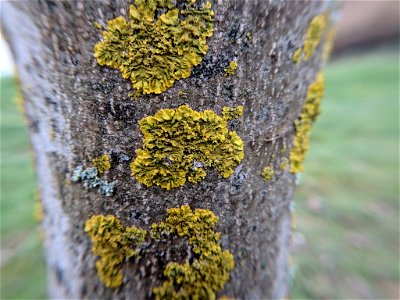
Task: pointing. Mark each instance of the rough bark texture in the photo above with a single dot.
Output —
(78, 110)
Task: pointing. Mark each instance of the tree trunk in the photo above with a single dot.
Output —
(78, 110)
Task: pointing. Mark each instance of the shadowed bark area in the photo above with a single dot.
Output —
(77, 110)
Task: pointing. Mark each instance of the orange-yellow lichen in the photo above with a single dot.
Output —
(231, 68)
(268, 173)
(210, 268)
(102, 163)
(309, 113)
(179, 144)
(200, 278)
(152, 53)
(114, 243)
(313, 36)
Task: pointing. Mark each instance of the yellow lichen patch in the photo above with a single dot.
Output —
(231, 68)
(229, 113)
(313, 36)
(328, 44)
(209, 270)
(97, 25)
(114, 243)
(102, 163)
(297, 55)
(38, 212)
(179, 144)
(182, 94)
(224, 297)
(19, 99)
(284, 164)
(151, 53)
(52, 135)
(309, 113)
(249, 35)
(268, 173)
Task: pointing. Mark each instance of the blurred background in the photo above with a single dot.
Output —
(346, 242)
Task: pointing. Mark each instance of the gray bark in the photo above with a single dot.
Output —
(77, 110)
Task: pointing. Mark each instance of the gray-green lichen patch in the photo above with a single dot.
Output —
(90, 180)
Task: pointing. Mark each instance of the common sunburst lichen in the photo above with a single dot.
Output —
(178, 144)
(151, 53)
(209, 271)
(268, 173)
(309, 113)
(201, 278)
(102, 163)
(313, 36)
(231, 68)
(114, 243)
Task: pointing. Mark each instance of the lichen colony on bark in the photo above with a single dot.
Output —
(81, 115)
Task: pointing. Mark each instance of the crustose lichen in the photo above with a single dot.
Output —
(314, 33)
(151, 53)
(180, 143)
(309, 114)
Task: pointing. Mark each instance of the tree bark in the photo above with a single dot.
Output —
(77, 110)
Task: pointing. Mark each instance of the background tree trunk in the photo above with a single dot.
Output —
(77, 110)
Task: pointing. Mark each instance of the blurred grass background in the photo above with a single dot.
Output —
(346, 244)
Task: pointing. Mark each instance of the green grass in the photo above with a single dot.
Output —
(347, 238)
(22, 261)
(347, 203)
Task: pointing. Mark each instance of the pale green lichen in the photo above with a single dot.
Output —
(115, 244)
(309, 113)
(102, 163)
(178, 144)
(89, 178)
(268, 173)
(151, 53)
(231, 68)
(210, 269)
(313, 36)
